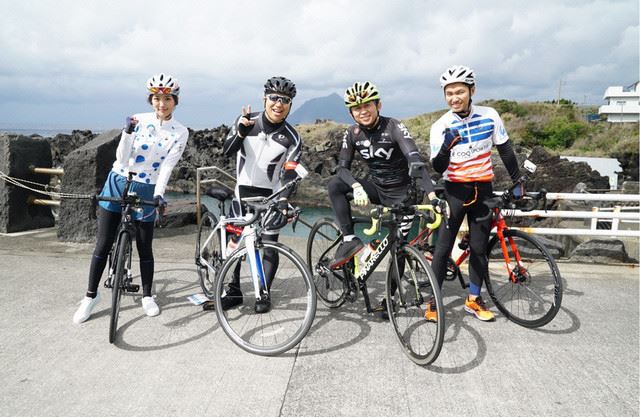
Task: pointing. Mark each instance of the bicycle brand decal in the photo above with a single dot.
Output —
(374, 257)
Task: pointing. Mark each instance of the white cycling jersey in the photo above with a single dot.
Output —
(470, 158)
(151, 151)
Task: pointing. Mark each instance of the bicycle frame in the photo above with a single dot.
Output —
(126, 226)
(500, 225)
(391, 242)
(251, 238)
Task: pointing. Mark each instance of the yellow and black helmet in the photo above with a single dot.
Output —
(359, 93)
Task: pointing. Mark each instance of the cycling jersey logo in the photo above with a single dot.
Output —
(381, 153)
(404, 130)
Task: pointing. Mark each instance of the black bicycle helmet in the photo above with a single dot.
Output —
(280, 85)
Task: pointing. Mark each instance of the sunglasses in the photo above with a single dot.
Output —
(160, 90)
(281, 99)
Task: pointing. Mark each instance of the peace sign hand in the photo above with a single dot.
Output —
(245, 123)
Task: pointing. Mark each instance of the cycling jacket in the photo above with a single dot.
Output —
(470, 158)
(151, 151)
(387, 150)
(262, 154)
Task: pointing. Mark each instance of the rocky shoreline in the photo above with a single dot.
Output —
(205, 149)
(320, 158)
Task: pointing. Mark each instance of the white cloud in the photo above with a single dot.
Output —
(222, 52)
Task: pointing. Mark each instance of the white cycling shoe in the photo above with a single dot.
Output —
(83, 312)
(150, 307)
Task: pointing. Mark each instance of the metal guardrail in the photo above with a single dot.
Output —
(200, 182)
(613, 214)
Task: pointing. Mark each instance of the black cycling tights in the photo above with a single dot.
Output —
(108, 223)
(463, 200)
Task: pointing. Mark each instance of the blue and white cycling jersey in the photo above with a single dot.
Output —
(470, 158)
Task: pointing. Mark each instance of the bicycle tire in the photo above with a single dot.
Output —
(536, 297)
(122, 260)
(421, 340)
(331, 285)
(209, 251)
(293, 303)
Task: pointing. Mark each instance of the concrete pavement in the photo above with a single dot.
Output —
(584, 363)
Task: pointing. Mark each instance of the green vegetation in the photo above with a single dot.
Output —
(562, 129)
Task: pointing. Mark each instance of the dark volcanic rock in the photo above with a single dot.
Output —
(85, 171)
(601, 251)
(17, 155)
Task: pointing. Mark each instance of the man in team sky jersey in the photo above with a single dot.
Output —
(268, 150)
(461, 142)
(386, 146)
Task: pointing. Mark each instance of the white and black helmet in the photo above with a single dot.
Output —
(280, 85)
(163, 84)
(458, 74)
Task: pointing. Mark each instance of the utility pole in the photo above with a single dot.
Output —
(560, 82)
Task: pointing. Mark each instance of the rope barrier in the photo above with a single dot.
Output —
(18, 182)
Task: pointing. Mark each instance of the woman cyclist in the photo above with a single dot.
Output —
(461, 143)
(151, 144)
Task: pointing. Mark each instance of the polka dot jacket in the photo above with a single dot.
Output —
(151, 151)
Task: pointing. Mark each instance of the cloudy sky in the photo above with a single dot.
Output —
(84, 64)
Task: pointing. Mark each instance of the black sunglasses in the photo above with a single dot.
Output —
(281, 99)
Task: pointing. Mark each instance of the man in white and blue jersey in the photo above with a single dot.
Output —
(461, 143)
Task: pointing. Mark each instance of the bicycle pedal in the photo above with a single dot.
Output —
(351, 297)
(132, 288)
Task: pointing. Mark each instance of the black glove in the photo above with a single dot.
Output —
(518, 191)
(243, 130)
(441, 206)
(161, 203)
(130, 125)
(283, 205)
(451, 137)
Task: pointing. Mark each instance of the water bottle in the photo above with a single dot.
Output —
(368, 250)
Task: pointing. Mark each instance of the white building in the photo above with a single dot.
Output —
(623, 104)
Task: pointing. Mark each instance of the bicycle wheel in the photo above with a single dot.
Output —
(531, 294)
(407, 299)
(293, 302)
(322, 243)
(209, 250)
(122, 264)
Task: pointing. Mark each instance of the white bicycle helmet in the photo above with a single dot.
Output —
(359, 93)
(458, 74)
(163, 84)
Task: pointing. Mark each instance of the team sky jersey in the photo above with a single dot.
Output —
(385, 150)
(151, 151)
(263, 152)
(470, 158)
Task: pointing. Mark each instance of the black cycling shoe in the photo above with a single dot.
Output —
(232, 298)
(345, 252)
(381, 311)
(263, 305)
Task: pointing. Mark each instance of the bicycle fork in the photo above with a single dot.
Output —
(257, 269)
(516, 274)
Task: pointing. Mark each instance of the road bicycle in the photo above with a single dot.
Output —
(291, 291)
(120, 274)
(524, 281)
(409, 284)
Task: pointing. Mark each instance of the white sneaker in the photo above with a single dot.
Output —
(150, 307)
(84, 311)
